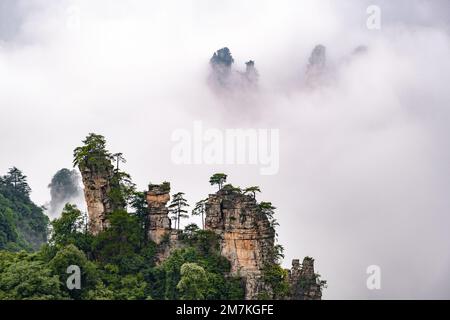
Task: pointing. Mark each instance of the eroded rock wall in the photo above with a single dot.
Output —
(159, 224)
(303, 281)
(246, 237)
(96, 189)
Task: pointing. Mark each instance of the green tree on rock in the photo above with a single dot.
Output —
(230, 187)
(118, 159)
(93, 154)
(177, 206)
(267, 209)
(122, 189)
(218, 179)
(252, 190)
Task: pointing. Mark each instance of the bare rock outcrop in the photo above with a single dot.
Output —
(225, 78)
(303, 281)
(159, 224)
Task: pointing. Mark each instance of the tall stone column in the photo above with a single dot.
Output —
(159, 224)
(96, 189)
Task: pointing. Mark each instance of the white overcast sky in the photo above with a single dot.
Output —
(364, 161)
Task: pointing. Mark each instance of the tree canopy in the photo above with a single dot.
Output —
(17, 180)
(23, 225)
(93, 154)
(218, 179)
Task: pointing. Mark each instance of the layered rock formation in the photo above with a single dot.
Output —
(159, 224)
(97, 185)
(246, 237)
(303, 281)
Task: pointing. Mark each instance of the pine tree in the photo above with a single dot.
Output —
(219, 179)
(200, 210)
(252, 190)
(177, 206)
(118, 158)
(18, 180)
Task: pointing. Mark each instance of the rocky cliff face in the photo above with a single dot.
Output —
(246, 236)
(159, 223)
(96, 189)
(304, 284)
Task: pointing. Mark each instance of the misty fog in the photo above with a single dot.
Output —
(364, 154)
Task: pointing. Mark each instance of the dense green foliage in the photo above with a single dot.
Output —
(201, 252)
(23, 225)
(119, 262)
